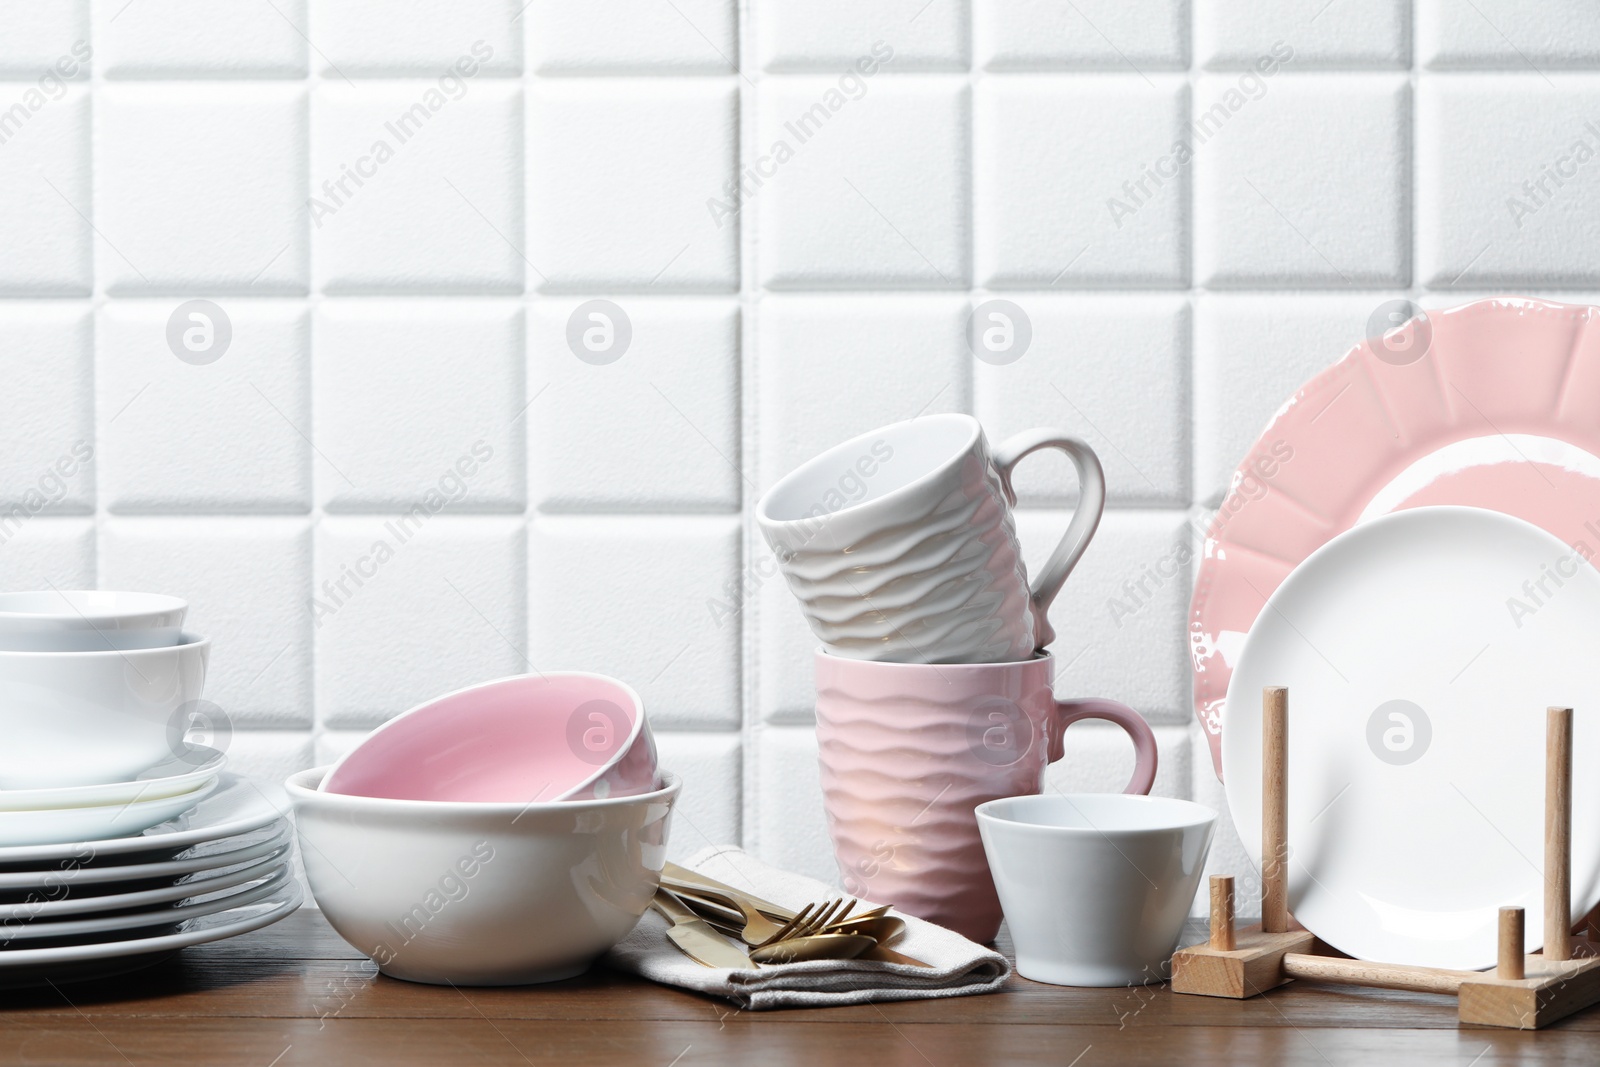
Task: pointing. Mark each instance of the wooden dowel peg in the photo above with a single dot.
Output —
(1222, 913)
(1275, 809)
(1558, 834)
(1512, 944)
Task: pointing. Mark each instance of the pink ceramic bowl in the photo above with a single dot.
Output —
(527, 739)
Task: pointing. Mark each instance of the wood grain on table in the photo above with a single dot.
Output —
(294, 993)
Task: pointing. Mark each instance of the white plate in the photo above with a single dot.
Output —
(237, 805)
(210, 856)
(1406, 835)
(37, 964)
(18, 934)
(42, 907)
(169, 778)
(97, 823)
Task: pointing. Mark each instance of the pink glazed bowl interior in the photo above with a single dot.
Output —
(525, 739)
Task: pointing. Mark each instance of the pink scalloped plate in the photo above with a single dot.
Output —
(1501, 411)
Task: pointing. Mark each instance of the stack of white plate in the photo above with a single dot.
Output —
(219, 867)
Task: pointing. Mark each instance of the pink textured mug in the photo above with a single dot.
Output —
(908, 750)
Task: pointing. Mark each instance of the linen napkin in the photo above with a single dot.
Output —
(958, 967)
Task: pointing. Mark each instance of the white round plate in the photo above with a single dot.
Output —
(31, 909)
(237, 805)
(169, 778)
(37, 964)
(207, 857)
(18, 934)
(1421, 650)
(97, 823)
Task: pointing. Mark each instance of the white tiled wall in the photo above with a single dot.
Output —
(1189, 237)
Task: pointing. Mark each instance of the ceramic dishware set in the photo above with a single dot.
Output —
(507, 833)
(934, 692)
(120, 840)
(1393, 628)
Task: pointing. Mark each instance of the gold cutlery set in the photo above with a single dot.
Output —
(706, 913)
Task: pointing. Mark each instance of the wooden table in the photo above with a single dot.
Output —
(295, 993)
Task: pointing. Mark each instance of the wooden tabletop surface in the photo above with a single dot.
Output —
(295, 993)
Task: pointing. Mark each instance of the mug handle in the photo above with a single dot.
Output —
(1085, 519)
(1145, 758)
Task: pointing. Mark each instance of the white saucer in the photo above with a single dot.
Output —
(24, 965)
(208, 882)
(1408, 833)
(169, 778)
(18, 934)
(210, 856)
(49, 826)
(236, 806)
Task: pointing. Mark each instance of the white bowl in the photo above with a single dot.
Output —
(86, 718)
(465, 893)
(89, 620)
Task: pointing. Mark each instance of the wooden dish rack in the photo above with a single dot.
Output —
(1523, 991)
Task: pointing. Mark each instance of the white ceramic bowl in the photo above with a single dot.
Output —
(89, 620)
(464, 893)
(86, 718)
(1095, 886)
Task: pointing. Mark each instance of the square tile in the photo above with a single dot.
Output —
(1119, 620)
(39, 553)
(785, 647)
(1302, 180)
(419, 405)
(1112, 370)
(654, 427)
(409, 608)
(789, 828)
(200, 38)
(226, 219)
(415, 189)
(1252, 352)
(827, 34)
(47, 190)
(267, 757)
(376, 38)
(1082, 35)
(1228, 855)
(47, 440)
(866, 188)
(634, 597)
(246, 581)
(329, 745)
(1110, 139)
(625, 171)
(1309, 34)
(831, 367)
(707, 811)
(225, 436)
(1525, 36)
(632, 37)
(1099, 759)
(38, 34)
(1507, 180)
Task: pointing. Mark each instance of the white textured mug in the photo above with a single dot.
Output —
(900, 544)
(1095, 886)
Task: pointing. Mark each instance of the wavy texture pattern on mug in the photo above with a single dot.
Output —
(900, 779)
(945, 584)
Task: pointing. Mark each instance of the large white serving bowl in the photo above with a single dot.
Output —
(465, 893)
(89, 620)
(86, 718)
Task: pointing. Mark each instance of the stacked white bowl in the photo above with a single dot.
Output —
(120, 840)
(504, 834)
